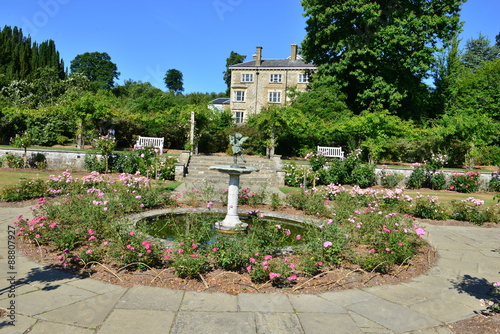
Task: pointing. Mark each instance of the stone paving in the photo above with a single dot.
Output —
(51, 301)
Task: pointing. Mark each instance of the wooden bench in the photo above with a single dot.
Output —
(331, 152)
(150, 141)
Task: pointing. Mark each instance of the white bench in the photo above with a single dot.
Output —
(150, 141)
(331, 152)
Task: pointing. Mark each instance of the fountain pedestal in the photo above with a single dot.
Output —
(232, 221)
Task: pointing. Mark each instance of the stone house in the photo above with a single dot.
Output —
(257, 83)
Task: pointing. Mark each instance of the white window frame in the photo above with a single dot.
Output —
(247, 77)
(239, 116)
(239, 96)
(303, 78)
(275, 78)
(274, 97)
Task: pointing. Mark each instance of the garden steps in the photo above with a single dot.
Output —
(199, 174)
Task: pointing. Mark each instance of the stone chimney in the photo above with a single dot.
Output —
(258, 56)
(293, 55)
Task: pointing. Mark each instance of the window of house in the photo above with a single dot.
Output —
(275, 97)
(275, 78)
(303, 78)
(239, 116)
(247, 78)
(239, 96)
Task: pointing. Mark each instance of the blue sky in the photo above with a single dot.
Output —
(145, 39)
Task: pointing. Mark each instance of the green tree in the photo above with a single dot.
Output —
(173, 81)
(98, 67)
(478, 92)
(379, 51)
(447, 73)
(479, 50)
(233, 59)
(324, 102)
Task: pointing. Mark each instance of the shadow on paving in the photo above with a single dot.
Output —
(479, 288)
(42, 275)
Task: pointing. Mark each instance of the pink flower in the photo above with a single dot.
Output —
(372, 250)
(292, 266)
(274, 275)
(91, 231)
(400, 244)
(298, 237)
(181, 250)
(91, 238)
(166, 257)
(319, 264)
(132, 233)
(252, 260)
(89, 251)
(292, 278)
(327, 244)
(146, 244)
(105, 209)
(268, 257)
(420, 231)
(249, 268)
(387, 249)
(215, 249)
(139, 255)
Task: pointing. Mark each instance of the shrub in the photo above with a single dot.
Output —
(24, 190)
(12, 160)
(390, 179)
(336, 173)
(494, 184)
(437, 161)
(417, 177)
(467, 182)
(296, 176)
(469, 210)
(438, 180)
(430, 208)
(363, 175)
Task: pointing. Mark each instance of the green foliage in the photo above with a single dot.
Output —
(173, 81)
(494, 184)
(98, 67)
(20, 58)
(12, 160)
(479, 50)
(418, 177)
(379, 51)
(363, 175)
(439, 181)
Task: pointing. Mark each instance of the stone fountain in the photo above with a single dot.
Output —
(232, 221)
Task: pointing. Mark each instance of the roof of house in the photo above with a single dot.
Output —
(221, 100)
(275, 63)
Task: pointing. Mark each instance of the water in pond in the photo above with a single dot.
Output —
(201, 227)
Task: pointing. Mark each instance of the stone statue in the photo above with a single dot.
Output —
(235, 141)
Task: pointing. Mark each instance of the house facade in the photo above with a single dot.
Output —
(260, 82)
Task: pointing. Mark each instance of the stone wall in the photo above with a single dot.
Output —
(56, 159)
